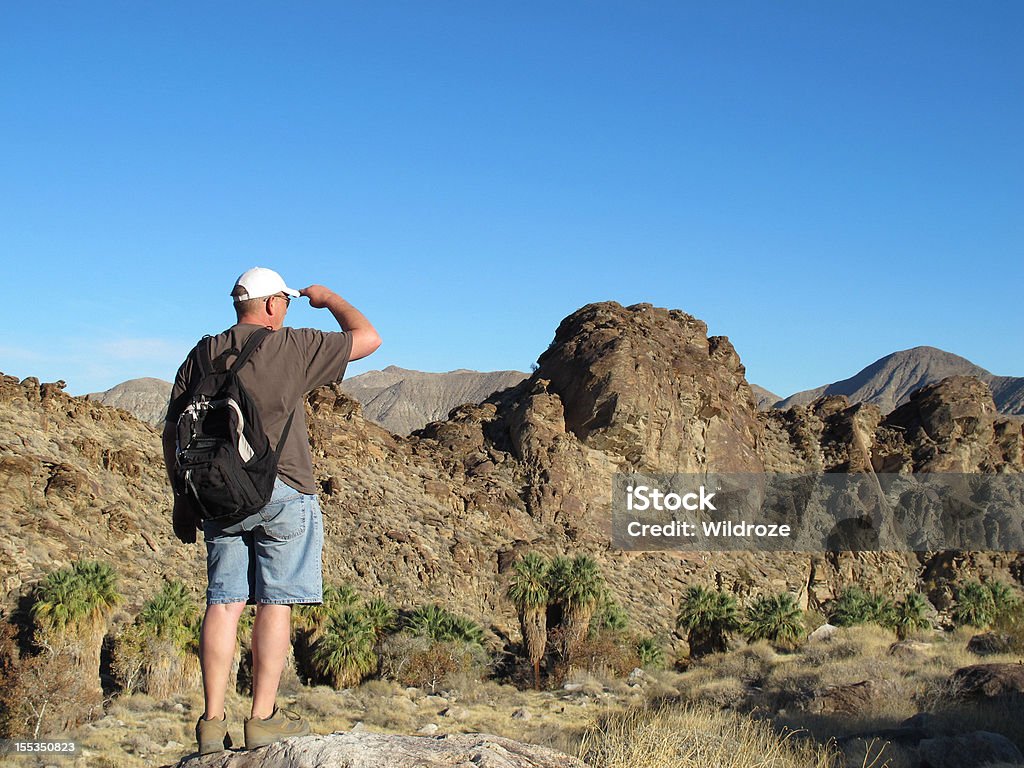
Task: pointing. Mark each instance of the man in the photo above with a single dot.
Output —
(273, 557)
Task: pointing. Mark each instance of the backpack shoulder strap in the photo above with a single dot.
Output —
(203, 356)
(251, 345)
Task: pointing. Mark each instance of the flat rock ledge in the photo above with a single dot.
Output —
(378, 750)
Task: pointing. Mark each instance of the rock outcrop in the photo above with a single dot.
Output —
(377, 750)
(649, 386)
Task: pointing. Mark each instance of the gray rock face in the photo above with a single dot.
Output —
(145, 399)
(376, 750)
(403, 401)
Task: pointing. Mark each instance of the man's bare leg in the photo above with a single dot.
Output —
(216, 651)
(271, 639)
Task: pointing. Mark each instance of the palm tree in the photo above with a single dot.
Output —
(169, 625)
(609, 615)
(975, 605)
(775, 618)
(71, 612)
(344, 652)
(909, 615)
(529, 593)
(708, 617)
(578, 587)
(858, 606)
(440, 624)
(1005, 599)
(381, 615)
(650, 653)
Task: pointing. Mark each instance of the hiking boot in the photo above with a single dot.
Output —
(212, 735)
(283, 724)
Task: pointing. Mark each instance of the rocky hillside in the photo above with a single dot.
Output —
(403, 401)
(440, 515)
(765, 399)
(889, 382)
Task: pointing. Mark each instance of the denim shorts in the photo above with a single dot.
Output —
(272, 556)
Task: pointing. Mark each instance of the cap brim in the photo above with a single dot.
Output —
(291, 292)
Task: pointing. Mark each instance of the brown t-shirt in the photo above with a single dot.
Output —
(289, 363)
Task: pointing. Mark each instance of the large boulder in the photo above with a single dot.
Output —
(850, 698)
(378, 750)
(968, 750)
(986, 681)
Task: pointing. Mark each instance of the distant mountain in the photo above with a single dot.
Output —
(888, 382)
(403, 401)
(145, 399)
(398, 399)
(763, 397)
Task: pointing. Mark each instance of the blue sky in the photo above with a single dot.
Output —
(824, 183)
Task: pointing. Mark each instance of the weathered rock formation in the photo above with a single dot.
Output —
(378, 750)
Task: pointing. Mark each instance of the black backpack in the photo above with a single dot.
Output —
(224, 464)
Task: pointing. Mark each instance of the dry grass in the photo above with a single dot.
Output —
(695, 736)
(742, 708)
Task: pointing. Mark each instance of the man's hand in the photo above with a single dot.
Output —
(318, 295)
(365, 339)
(184, 521)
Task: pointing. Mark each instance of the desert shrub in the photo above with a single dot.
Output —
(607, 653)
(423, 662)
(46, 694)
(9, 657)
(775, 618)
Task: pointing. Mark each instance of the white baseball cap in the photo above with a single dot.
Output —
(259, 282)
